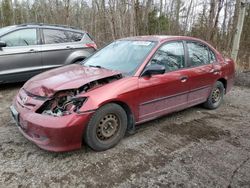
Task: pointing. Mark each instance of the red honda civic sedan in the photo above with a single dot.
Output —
(128, 82)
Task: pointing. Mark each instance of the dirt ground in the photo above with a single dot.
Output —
(191, 148)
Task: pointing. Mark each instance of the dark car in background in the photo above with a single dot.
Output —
(29, 49)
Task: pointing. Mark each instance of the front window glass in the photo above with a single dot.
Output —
(124, 56)
(170, 55)
(23, 37)
(5, 29)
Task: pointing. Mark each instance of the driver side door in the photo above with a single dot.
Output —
(21, 58)
(164, 93)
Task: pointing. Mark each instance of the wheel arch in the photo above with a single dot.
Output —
(224, 82)
(129, 113)
(77, 59)
(77, 56)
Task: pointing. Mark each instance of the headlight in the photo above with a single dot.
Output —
(62, 105)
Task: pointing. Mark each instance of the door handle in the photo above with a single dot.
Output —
(214, 71)
(68, 47)
(32, 50)
(184, 79)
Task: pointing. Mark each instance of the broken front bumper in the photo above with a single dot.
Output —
(51, 133)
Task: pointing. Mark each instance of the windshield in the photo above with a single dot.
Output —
(124, 56)
(5, 29)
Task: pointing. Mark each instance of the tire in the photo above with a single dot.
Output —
(216, 96)
(106, 127)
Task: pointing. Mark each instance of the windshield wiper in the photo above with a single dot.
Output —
(97, 66)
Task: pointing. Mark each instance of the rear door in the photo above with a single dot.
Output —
(57, 46)
(164, 93)
(201, 72)
(21, 59)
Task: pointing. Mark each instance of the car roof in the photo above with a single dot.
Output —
(50, 26)
(160, 38)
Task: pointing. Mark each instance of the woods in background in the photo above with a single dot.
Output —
(212, 20)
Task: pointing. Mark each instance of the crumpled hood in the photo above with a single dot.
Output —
(67, 77)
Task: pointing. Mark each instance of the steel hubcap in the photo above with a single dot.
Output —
(216, 95)
(107, 127)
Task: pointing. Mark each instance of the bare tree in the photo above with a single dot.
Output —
(107, 20)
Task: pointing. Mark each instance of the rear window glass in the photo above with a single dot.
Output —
(74, 37)
(53, 36)
(198, 53)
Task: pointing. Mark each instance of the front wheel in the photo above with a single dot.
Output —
(216, 96)
(106, 127)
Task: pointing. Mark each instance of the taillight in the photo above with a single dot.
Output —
(91, 45)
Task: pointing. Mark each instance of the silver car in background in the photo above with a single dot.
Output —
(29, 49)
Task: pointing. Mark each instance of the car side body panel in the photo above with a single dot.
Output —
(126, 91)
(20, 63)
(228, 72)
(54, 55)
(79, 55)
(162, 94)
(199, 88)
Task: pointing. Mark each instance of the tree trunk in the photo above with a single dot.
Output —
(213, 33)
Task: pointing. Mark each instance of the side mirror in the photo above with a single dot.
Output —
(154, 69)
(2, 44)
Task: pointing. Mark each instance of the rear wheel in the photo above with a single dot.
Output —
(216, 96)
(106, 127)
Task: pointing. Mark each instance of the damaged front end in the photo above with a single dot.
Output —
(68, 101)
(63, 103)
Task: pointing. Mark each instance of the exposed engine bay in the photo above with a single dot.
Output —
(67, 102)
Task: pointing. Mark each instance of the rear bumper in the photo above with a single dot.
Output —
(230, 83)
(51, 133)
